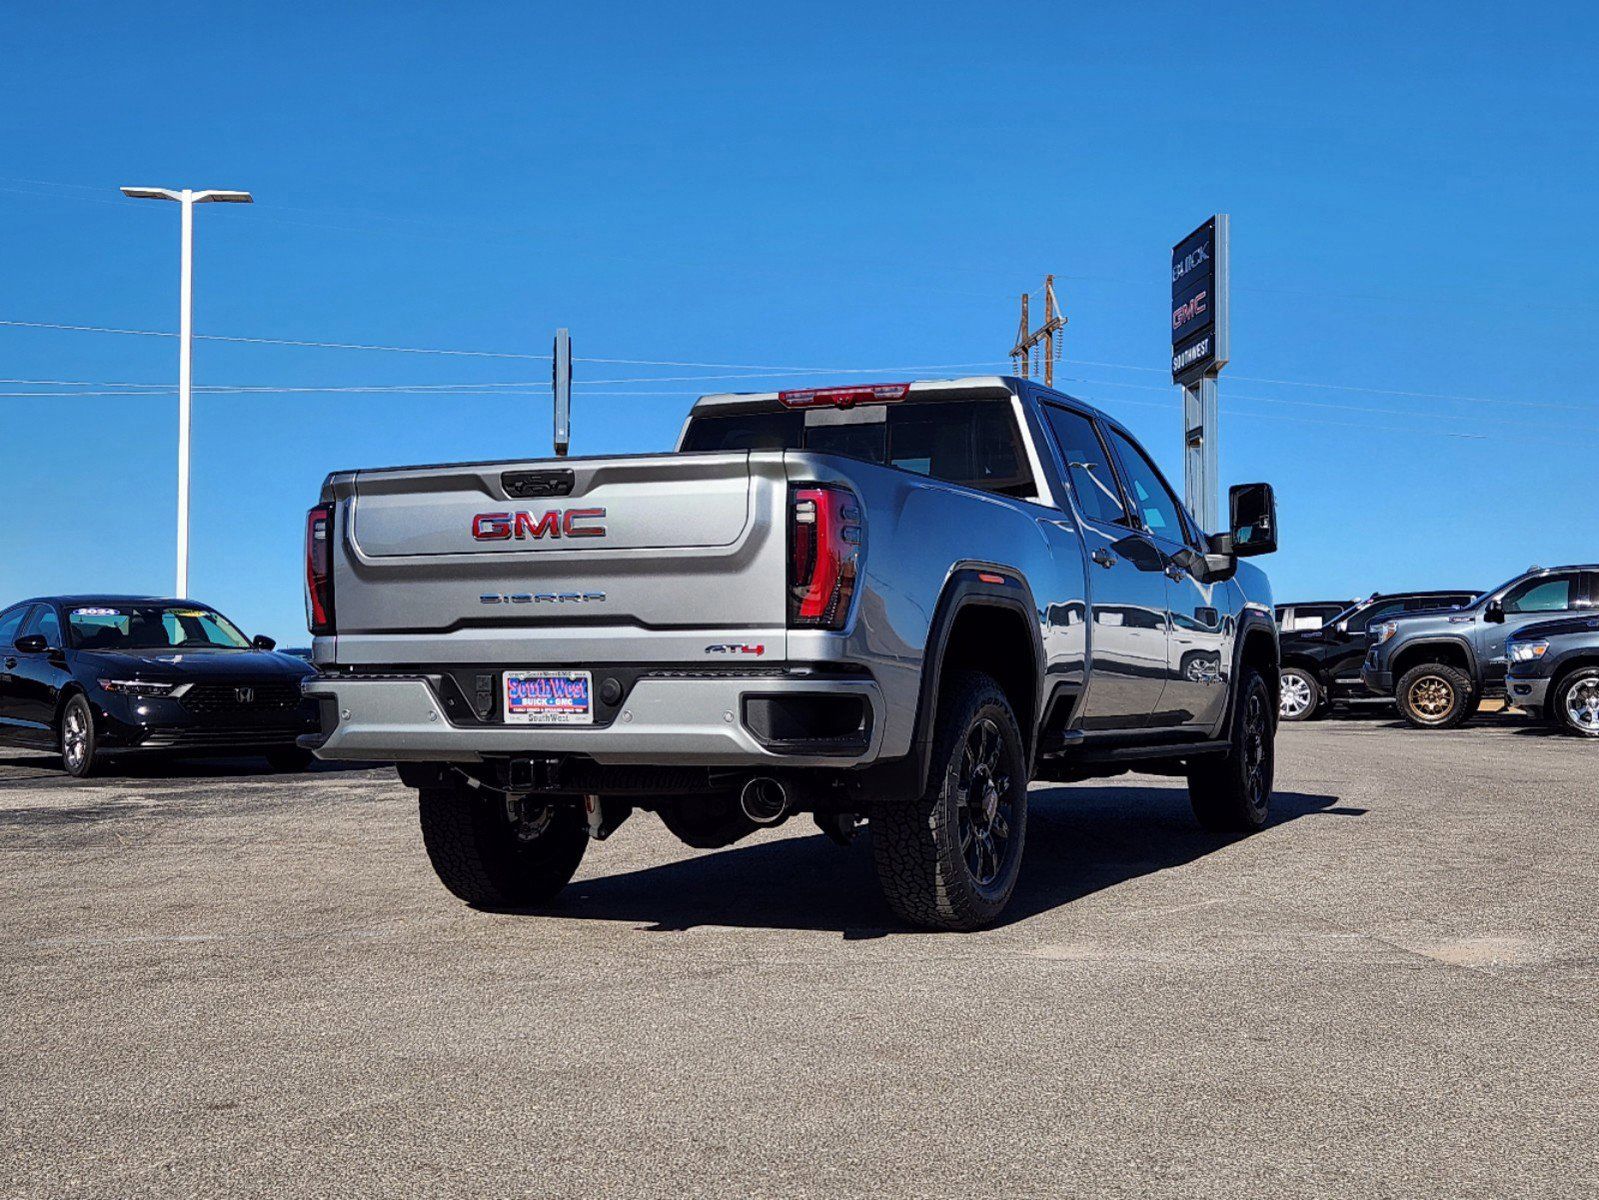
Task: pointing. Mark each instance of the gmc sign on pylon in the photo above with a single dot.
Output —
(1199, 302)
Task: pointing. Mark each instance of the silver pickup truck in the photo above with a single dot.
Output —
(891, 605)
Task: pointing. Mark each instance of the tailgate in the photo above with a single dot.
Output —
(638, 559)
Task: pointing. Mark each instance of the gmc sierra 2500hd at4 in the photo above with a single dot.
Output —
(894, 604)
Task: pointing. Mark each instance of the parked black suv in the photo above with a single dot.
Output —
(1321, 667)
(91, 676)
(1554, 672)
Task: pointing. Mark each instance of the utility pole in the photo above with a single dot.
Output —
(1028, 340)
(187, 199)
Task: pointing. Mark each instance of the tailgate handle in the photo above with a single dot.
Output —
(523, 484)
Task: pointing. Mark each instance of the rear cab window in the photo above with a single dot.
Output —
(973, 443)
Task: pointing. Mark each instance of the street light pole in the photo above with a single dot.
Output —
(187, 199)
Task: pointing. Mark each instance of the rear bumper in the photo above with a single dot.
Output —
(664, 721)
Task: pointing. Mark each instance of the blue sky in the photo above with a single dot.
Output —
(859, 187)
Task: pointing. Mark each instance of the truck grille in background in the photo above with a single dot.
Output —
(241, 699)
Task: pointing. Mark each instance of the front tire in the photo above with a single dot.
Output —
(1576, 702)
(950, 858)
(1300, 695)
(493, 853)
(1231, 792)
(1434, 696)
(76, 737)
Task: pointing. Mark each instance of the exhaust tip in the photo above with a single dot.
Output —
(764, 800)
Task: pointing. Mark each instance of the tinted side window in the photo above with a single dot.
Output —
(1553, 593)
(1377, 612)
(1087, 465)
(10, 623)
(45, 622)
(1151, 498)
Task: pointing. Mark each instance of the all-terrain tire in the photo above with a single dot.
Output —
(1576, 691)
(941, 859)
(1434, 696)
(1301, 695)
(491, 861)
(77, 740)
(1231, 792)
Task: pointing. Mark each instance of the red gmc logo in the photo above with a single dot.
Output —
(553, 523)
(1184, 313)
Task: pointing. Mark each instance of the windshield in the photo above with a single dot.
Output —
(153, 627)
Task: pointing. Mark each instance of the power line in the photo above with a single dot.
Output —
(758, 371)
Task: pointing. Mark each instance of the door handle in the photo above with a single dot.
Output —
(1175, 572)
(1103, 557)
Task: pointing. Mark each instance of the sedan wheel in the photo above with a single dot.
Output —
(78, 738)
(1299, 695)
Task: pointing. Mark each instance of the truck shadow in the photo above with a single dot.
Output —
(1079, 841)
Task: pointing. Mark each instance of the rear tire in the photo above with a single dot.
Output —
(950, 858)
(1231, 793)
(490, 860)
(1435, 696)
(76, 737)
(1575, 706)
(1301, 695)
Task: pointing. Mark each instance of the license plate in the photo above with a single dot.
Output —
(549, 698)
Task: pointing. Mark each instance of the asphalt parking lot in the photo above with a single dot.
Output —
(252, 985)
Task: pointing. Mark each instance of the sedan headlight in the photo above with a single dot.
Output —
(1527, 651)
(1385, 631)
(138, 687)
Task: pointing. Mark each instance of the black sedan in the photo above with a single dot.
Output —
(96, 676)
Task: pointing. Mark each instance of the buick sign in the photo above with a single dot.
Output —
(1199, 302)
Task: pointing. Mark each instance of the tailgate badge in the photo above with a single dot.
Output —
(552, 523)
(757, 649)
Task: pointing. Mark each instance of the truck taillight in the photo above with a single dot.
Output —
(319, 570)
(824, 538)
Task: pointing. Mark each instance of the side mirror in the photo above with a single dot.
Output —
(34, 643)
(1253, 508)
(261, 642)
(1493, 613)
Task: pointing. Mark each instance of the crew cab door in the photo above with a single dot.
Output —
(1127, 605)
(1199, 650)
(1541, 598)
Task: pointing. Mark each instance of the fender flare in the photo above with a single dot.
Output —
(1451, 640)
(964, 589)
(1249, 621)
